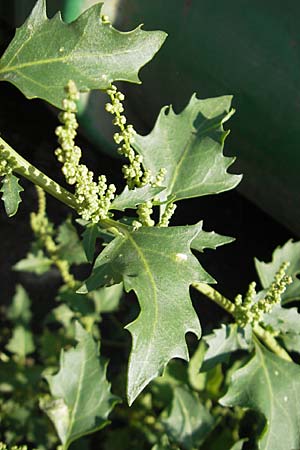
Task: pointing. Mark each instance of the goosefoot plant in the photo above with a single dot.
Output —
(246, 364)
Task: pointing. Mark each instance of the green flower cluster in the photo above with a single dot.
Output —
(93, 198)
(133, 172)
(14, 447)
(7, 164)
(168, 213)
(251, 310)
(135, 175)
(44, 232)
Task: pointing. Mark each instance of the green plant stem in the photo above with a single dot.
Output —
(22, 167)
(215, 296)
(271, 342)
(228, 306)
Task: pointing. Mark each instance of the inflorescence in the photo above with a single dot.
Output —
(93, 198)
(251, 310)
(135, 174)
(7, 164)
(44, 232)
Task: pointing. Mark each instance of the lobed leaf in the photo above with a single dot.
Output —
(189, 422)
(81, 394)
(132, 198)
(70, 247)
(210, 240)
(157, 264)
(189, 146)
(11, 194)
(36, 263)
(21, 342)
(289, 252)
(222, 342)
(46, 53)
(270, 385)
(19, 311)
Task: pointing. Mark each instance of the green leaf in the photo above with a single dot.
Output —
(210, 240)
(132, 198)
(284, 320)
(239, 445)
(70, 247)
(11, 194)
(291, 342)
(83, 306)
(89, 237)
(107, 298)
(36, 263)
(46, 53)
(19, 311)
(270, 385)
(62, 314)
(222, 342)
(81, 394)
(158, 265)
(289, 252)
(189, 422)
(189, 146)
(21, 342)
(164, 444)
(196, 379)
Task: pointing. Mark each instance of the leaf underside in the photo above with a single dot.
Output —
(157, 264)
(46, 53)
(189, 422)
(271, 386)
(81, 394)
(189, 146)
(222, 342)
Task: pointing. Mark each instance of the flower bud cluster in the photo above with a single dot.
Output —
(168, 213)
(144, 212)
(7, 164)
(251, 311)
(133, 172)
(93, 199)
(44, 232)
(159, 179)
(14, 447)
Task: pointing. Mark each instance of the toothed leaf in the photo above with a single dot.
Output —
(132, 198)
(210, 239)
(70, 247)
(46, 53)
(222, 342)
(36, 263)
(270, 385)
(21, 343)
(289, 252)
(189, 146)
(81, 394)
(11, 194)
(189, 422)
(19, 311)
(158, 265)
